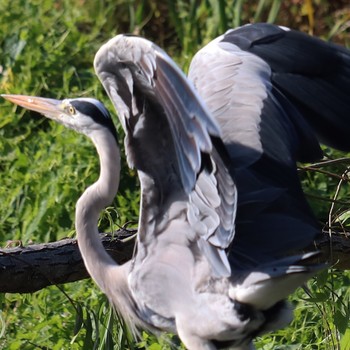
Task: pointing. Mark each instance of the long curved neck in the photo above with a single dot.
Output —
(93, 201)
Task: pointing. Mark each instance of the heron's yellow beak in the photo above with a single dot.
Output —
(49, 107)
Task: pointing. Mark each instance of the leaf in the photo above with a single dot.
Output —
(344, 217)
(322, 278)
(79, 319)
(318, 297)
(155, 346)
(345, 341)
(341, 321)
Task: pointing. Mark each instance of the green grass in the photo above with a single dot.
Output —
(47, 49)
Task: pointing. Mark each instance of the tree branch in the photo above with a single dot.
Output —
(335, 249)
(29, 269)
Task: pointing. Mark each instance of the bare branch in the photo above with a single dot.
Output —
(28, 269)
(335, 249)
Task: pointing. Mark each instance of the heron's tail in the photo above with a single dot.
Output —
(268, 284)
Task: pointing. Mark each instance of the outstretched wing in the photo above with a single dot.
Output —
(169, 140)
(154, 102)
(313, 74)
(268, 124)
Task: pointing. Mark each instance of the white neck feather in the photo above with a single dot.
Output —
(93, 201)
(110, 277)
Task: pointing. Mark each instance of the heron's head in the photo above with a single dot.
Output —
(81, 114)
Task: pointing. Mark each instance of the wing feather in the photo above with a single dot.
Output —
(312, 73)
(130, 67)
(237, 88)
(173, 141)
(265, 134)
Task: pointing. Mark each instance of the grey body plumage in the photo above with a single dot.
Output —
(221, 204)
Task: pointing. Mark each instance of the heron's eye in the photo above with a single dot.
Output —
(71, 110)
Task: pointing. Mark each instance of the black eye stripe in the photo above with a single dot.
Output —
(96, 111)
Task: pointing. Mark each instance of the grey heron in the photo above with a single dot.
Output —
(215, 277)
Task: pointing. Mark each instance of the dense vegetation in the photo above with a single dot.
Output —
(47, 49)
